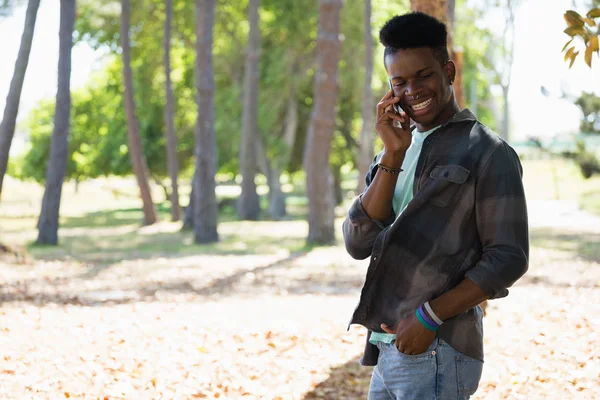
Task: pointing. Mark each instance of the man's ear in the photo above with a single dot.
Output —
(450, 70)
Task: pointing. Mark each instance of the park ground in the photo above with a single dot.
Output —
(120, 311)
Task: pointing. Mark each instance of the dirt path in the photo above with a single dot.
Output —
(274, 327)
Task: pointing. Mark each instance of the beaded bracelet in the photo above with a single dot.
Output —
(390, 170)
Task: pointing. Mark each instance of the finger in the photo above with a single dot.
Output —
(388, 95)
(384, 104)
(405, 120)
(389, 115)
(388, 329)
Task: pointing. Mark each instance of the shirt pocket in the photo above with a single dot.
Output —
(447, 180)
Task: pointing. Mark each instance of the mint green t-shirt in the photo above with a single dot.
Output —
(403, 194)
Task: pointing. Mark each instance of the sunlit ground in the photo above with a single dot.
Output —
(124, 311)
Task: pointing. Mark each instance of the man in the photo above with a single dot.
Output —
(444, 220)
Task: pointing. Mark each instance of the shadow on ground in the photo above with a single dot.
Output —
(348, 381)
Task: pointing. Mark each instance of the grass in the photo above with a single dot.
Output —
(101, 221)
(561, 180)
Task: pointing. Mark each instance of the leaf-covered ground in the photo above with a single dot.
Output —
(273, 325)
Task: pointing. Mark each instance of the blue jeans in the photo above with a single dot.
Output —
(441, 373)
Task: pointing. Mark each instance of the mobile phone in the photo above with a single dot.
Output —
(396, 106)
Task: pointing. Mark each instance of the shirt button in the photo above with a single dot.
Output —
(433, 353)
(375, 258)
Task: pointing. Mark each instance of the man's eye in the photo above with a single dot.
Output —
(398, 84)
(426, 75)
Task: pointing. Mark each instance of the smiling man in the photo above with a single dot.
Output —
(443, 219)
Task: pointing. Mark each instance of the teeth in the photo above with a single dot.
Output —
(422, 105)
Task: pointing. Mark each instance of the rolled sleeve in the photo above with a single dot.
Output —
(502, 224)
(360, 230)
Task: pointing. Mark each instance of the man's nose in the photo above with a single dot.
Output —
(413, 90)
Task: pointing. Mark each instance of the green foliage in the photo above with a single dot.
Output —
(590, 106)
(98, 144)
(585, 28)
(475, 42)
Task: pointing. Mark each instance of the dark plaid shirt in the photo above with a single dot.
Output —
(468, 218)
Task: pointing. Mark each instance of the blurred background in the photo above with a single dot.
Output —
(174, 175)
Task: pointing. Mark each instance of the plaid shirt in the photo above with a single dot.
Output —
(468, 219)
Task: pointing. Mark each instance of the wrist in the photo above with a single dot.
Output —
(393, 159)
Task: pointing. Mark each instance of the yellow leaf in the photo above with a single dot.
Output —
(594, 43)
(568, 43)
(271, 344)
(202, 350)
(67, 395)
(594, 13)
(569, 53)
(588, 56)
(590, 21)
(575, 30)
(573, 19)
(573, 57)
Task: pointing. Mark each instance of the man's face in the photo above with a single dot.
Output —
(423, 86)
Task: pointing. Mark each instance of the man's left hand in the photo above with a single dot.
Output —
(411, 336)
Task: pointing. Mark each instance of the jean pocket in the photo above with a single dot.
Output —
(429, 353)
(468, 375)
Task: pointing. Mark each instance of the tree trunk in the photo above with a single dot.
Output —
(188, 215)
(337, 185)
(291, 124)
(367, 135)
(11, 109)
(436, 8)
(59, 146)
(248, 203)
(505, 132)
(205, 209)
(322, 125)
(444, 11)
(172, 163)
(277, 209)
(136, 154)
(473, 96)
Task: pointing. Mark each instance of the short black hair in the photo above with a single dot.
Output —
(414, 30)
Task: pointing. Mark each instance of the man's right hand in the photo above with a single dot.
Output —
(396, 139)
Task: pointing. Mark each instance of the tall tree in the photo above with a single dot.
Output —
(435, 8)
(322, 124)
(136, 154)
(501, 59)
(367, 137)
(11, 109)
(205, 209)
(444, 11)
(248, 203)
(59, 147)
(172, 163)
